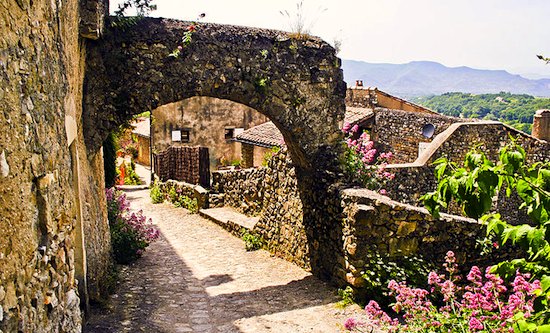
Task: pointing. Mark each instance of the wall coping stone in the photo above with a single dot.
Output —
(364, 196)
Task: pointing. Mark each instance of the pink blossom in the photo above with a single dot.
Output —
(355, 128)
(346, 127)
(474, 324)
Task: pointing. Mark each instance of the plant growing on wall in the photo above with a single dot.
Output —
(362, 161)
(142, 7)
(299, 23)
(473, 187)
(187, 37)
(131, 232)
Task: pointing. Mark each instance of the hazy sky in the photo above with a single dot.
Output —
(488, 34)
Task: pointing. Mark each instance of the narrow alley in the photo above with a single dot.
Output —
(199, 278)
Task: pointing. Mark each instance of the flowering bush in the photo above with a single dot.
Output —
(474, 185)
(362, 161)
(484, 304)
(131, 233)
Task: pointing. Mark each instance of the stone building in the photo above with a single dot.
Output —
(204, 121)
(142, 134)
(379, 113)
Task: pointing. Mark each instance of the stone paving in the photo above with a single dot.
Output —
(199, 278)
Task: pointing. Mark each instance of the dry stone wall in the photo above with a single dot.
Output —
(401, 131)
(39, 61)
(270, 192)
(413, 180)
(373, 222)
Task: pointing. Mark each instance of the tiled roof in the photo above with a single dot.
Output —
(264, 135)
(356, 115)
(268, 135)
(142, 127)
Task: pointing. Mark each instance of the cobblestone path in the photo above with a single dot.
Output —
(198, 278)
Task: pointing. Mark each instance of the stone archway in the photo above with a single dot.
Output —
(296, 82)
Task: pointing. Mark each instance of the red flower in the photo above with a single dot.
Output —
(192, 28)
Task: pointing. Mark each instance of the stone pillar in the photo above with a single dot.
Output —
(247, 152)
(541, 125)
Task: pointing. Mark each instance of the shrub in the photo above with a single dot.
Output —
(485, 304)
(131, 233)
(252, 242)
(156, 194)
(180, 200)
(362, 162)
(474, 185)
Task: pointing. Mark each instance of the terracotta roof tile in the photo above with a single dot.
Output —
(268, 135)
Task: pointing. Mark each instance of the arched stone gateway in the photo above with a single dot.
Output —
(296, 82)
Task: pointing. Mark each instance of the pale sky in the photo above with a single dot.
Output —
(485, 34)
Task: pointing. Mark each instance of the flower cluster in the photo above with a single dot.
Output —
(362, 160)
(484, 304)
(131, 232)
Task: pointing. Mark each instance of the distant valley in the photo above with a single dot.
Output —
(425, 78)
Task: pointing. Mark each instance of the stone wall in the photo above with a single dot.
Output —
(40, 89)
(206, 119)
(270, 192)
(373, 222)
(415, 179)
(191, 191)
(144, 151)
(401, 131)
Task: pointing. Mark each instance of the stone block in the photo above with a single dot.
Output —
(406, 228)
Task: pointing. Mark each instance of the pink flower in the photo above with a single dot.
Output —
(355, 128)
(350, 324)
(475, 324)
(346, 127)
(383, 192)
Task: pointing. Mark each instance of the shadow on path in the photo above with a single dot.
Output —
(198, 278)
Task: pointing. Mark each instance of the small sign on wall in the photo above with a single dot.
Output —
(176, 136)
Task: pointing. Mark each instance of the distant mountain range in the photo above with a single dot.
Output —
(424, 78)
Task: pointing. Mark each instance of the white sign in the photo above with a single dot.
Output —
(176, 135)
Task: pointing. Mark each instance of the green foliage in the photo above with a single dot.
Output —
(516, 110)
(252, 242)
(347, 297)
(187, 37)
(475, 184)
(110, 147)
(142, 7)
(261, 84)
(130, 175)
(379, 270)
(180, 200)
(156, 194)
(130, 232)
(268, 155)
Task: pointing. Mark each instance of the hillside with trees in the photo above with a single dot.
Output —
(516, 110)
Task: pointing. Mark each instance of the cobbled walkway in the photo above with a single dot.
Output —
(199, 278)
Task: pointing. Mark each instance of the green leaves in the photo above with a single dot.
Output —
(474, 186)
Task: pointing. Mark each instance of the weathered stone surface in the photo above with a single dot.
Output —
(296, 83)
(41, 69)
(406, 231)
(413, 180)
